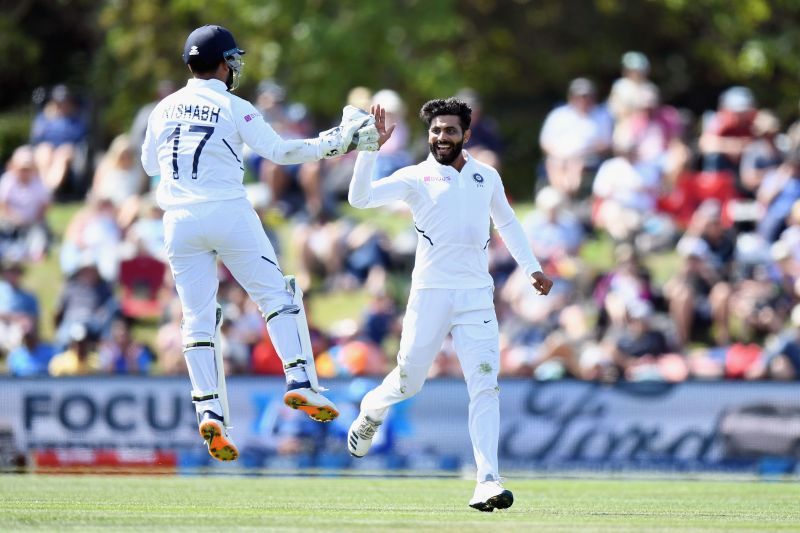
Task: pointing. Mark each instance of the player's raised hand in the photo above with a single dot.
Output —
(380, 124)
(541, 283)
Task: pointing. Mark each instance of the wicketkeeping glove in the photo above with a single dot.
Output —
(345, 137)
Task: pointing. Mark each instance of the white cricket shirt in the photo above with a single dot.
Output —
(452, 212)
(194, 141)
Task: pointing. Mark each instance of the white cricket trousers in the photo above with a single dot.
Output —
(468, 314)
(194, 236)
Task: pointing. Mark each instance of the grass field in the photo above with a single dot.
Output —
(223, 503)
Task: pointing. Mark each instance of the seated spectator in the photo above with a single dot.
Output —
(728, 131)
(696, 295)
(554, 232)
(87, 300)
(642, 351)
(575, 138)
(24, 200)
(32, 356)
(121, 354)
(18, 307)
(762, 293)
(707, 223)
(776, 196)
(761, 154)
(394, 154)
(59, 135)
(624, 194)
(145, 235)
(628, 280)
(485, 141)
(117, 175)
(80, 358)
(626, 91)
(93, 232)
(651, 129)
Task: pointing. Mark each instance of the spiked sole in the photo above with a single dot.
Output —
(219, 445)
(320, 413)
(501, 501)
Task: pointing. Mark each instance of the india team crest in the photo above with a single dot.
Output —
(478, 179)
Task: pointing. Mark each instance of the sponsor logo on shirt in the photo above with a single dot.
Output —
(435, 179)
(251, 116)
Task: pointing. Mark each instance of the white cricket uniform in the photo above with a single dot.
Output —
(194, 141)
(451, 288)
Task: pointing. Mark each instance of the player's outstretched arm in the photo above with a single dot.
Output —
(364, 191)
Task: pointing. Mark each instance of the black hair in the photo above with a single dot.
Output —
(451, 106)
(198, 66)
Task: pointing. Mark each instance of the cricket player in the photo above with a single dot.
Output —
(452, 197)
(194, 141)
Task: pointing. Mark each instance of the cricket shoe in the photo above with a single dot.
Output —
(301, 396)
(490, 495)
(213, 431)
(359, 437)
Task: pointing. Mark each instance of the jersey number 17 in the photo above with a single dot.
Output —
(175, 137)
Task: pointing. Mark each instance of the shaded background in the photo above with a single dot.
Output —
(518, 54)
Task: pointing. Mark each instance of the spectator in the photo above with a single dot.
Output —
(118, 177)
(24, 200)
(32, 356)
(86, 300)
(776, 196)
(624, 195)
(93, 232)
(728, 131)
(59, 135)
(575, 138)
(761, 154)
(80, 358)
(650, 128)
(555, 234)
(696, 298)
(642, 351)
(627, 91)
(18, 307)
(485, 143)
(394, 153)
(121, 354)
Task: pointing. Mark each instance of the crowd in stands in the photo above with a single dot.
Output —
(702, 214)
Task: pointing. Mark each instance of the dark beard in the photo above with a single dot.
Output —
(229, 81)
(447, 159)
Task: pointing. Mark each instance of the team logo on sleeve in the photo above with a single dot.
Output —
(478, 179)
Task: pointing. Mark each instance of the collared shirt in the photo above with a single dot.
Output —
(195, 140)
(452, 212)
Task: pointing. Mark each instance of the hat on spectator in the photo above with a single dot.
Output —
(582, 87)
(390, 101)
(635, 61)
(737, 99)
(60, 93)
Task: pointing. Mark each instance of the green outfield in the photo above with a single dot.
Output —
(224, 503)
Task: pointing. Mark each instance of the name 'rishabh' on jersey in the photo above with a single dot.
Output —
(195, 140)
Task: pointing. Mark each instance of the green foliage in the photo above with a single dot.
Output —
(15, 129)
(520, 55)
